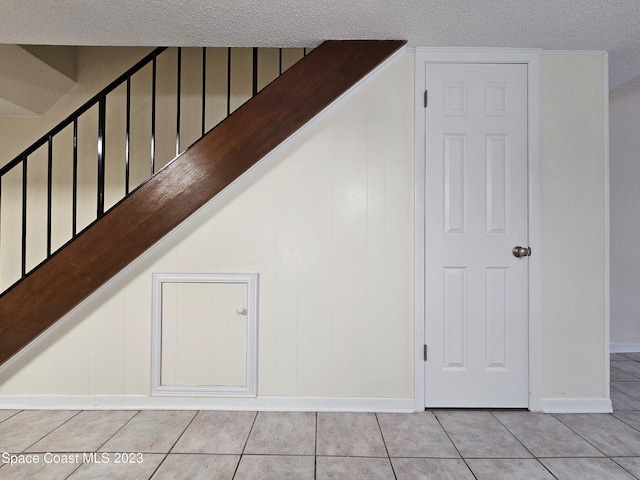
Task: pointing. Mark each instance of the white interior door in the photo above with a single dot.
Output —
(476, 213)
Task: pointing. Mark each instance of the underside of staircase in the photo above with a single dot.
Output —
(179, 190)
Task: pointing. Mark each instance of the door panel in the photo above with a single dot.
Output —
(204, 338)
(476, 212)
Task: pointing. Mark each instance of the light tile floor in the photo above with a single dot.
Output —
(441, 444)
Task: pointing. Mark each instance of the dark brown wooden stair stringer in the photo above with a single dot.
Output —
(184, 186)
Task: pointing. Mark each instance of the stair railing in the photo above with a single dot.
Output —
(20, 166)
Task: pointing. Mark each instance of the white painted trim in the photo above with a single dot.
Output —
(476, 55)
(576, 405)
(251, 388)
(607, 225)
(535, 234)
(420, 274)
(143, 402)
(531, 57)
(573, 52)
(625, 347)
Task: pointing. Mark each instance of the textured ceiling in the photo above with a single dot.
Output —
(611, 25)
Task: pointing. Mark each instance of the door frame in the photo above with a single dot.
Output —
(251, 312)
(530, 57)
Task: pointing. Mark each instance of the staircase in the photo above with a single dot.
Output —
(149, 212)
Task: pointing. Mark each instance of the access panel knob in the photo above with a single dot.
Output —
(521, 251)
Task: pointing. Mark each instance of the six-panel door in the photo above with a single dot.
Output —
(476, 212)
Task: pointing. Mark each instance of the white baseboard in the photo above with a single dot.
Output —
(625, 347)
(143, 402)
(576, 405)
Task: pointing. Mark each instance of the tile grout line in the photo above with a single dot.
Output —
(613, 415)
(613, 367)
(619, 369)
(183, 431)
(255, 417)
(49, 433)
(315, 452)
(80, 465)
(627, 394)
(166, 455)
(634, 399)
(624, 421)
(523, 445)
(623, 467)
(454, 445)
(158, 466)
(74, 471)
(257, 454)
(116, 432)
(370, 457)
(615, 387)
(11, 416)
(384, 442)
(593, 458)
(627, 373)
(555, 415)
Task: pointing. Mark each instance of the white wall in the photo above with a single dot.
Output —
(625, 226)
(96, 66)
(574, 177)
(327, 222)
(31, 83)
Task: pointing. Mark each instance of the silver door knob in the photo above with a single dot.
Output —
(521, 251)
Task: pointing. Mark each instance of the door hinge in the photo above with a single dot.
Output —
(425, 353)
(426, 98)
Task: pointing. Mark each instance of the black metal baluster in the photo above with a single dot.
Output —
(22, 160)
(49, 192)
(178, 88)
(101, 100)
(102, 114)
(228, 81)
(24, 216)
(153, 117)
(127, 141)
(255, 72)
(74, 181)
(204, 87)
